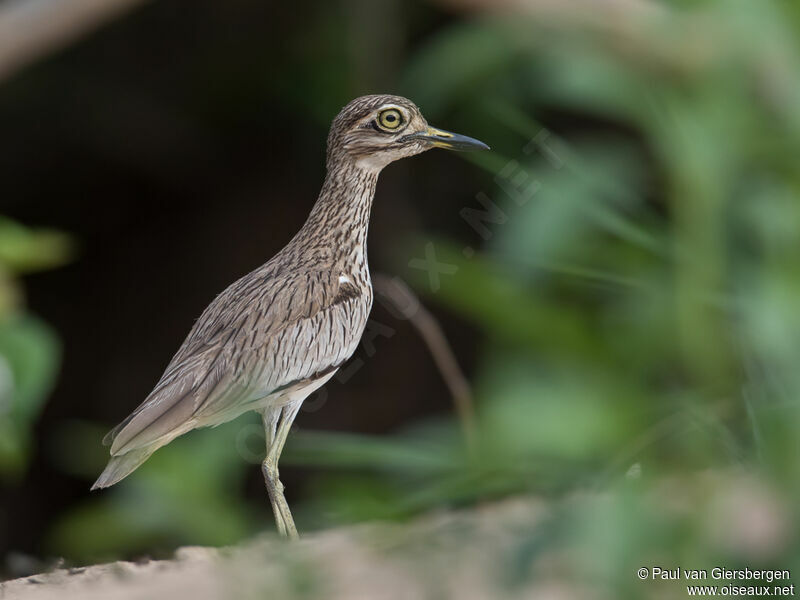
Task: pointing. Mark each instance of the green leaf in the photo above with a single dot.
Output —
(23, 249)
(29, 359)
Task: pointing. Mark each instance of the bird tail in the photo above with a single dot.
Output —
(119, 467)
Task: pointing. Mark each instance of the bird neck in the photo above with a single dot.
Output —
(340, 217)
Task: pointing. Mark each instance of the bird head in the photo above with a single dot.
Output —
(373, 131)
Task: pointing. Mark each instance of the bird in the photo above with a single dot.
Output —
(282, 331)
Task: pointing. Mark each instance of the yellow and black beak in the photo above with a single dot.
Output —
(451, 141)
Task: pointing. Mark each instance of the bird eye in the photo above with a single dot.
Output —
(390, 119)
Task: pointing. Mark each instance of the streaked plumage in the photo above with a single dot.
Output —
(280, 332)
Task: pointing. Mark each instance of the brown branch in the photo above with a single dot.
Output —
(32, 29)
(407, 306)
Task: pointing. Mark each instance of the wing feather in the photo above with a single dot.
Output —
(249, 342)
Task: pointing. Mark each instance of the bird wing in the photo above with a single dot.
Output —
(263, 333)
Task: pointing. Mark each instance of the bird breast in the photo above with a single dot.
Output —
(320, 341)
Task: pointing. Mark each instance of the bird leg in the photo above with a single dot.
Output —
(277, 424)
(270, 417)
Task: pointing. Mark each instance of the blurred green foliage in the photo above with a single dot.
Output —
(639, 300)
(638, 287)
(29, 350)
(189, 494)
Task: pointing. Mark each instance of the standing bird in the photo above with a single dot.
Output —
(279, 333)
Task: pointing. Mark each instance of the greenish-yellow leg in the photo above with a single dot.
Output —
(277, 423)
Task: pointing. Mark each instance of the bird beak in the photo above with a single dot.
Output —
(451, 141)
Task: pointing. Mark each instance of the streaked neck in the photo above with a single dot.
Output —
(341, 213)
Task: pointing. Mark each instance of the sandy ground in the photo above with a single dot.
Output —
(505, 550)
(454, 555)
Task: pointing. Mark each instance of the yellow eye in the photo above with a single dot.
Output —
(390, 119)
